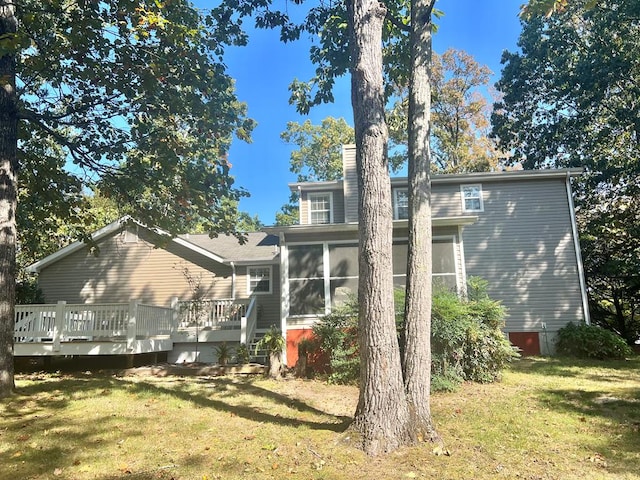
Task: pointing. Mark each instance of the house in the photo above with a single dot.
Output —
(516, 230)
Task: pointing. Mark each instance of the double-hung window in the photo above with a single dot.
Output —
(400, 204)
(472, 198)
(320, 208)
(259, 279)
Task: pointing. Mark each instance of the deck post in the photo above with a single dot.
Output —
(131, 324)
(175, 306)
(58, 325)
(243, 330)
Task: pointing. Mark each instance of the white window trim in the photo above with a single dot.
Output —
(319, 194)
(396, 216)
(464, 203)
(255, 267)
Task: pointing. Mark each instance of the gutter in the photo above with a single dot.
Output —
(576, 246)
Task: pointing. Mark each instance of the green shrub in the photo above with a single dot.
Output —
(590, 341)
(336, 338)
(467, 342)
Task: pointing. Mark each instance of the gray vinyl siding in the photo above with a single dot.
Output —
(268, 303)
(134, 270)
(338, 205)
(522, 245)
(446, 200)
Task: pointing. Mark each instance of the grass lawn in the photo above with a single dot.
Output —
(548, 419)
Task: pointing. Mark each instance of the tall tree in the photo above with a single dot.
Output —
(382, 416)
(572, 99)
(460, 115)
(8, 192)
(416, 361)
(136, 96)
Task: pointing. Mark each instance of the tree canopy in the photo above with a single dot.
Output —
(129, 95)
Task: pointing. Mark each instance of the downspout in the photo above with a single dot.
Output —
(576, 246)
(233, 280)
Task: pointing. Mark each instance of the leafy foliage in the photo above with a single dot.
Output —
(335, 336)
(460, 116)
(467, 342)
(590, 341)
(135, 95)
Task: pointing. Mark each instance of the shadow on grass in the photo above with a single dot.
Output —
(574, 367)
(42, 400)
(245, 387)
(614, 413)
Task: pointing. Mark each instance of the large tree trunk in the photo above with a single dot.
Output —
(416, 362)
(8, 198)
(382, 415)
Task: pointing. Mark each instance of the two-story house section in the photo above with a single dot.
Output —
(514, 229)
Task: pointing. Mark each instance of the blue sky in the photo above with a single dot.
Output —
(264, 69)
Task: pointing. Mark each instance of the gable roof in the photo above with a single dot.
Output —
(260, 247)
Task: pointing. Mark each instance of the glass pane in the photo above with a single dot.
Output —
(443, 259)
(343, 290)
(400, 252)
(447, 282)
(306, 297)
(343, 260)
(305, 261)
(402, 204)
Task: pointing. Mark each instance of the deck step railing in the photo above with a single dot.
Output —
(218, 314)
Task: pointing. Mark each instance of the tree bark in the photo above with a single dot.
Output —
(382, 415)
(416, 362)
(8, 197)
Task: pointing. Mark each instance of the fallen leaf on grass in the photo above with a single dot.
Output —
(57, 472)
(438, 450)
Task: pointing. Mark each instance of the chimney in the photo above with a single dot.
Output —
(350, 185)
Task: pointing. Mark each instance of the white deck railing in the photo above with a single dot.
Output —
(64, 322)
(216, 314)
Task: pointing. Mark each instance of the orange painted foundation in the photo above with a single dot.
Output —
(293, 338)
(527, 342)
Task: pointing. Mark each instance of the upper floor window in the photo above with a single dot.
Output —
(472, 198)
(320, 208)
(400, 204)
(259, 279)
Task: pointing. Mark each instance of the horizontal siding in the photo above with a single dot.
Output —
(123, 271)
(522, 245)
(268, 304)
(446, 200)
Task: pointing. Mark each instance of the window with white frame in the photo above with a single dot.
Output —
(472, 198)
(320, 208)
(400, 204)
(259, 280)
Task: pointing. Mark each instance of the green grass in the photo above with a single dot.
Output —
(547, 419)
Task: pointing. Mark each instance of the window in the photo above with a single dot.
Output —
(320, 210)
(259, 280)
(400, 204)
(306, 280)
(443, 258)
(471, 198)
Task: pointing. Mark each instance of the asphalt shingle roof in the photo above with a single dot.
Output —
(259, 246)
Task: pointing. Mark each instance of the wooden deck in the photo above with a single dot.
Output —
(129, 328)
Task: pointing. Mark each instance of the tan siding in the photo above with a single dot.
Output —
(268, 304)
(123, 271)
(522, 245)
